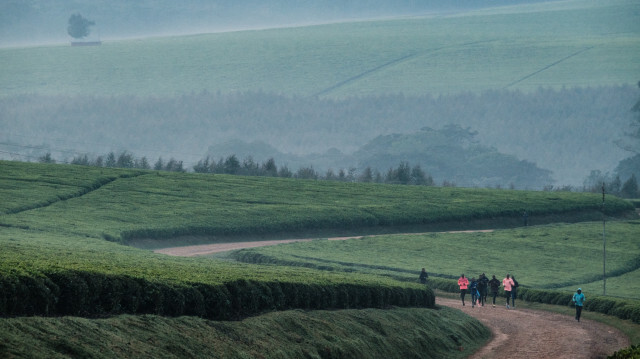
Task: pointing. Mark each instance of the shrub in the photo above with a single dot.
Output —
(632, 352)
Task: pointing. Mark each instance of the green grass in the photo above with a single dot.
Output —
(55, 260)
(291, 334)
(147, 204)
(574, 43)
(563, 256)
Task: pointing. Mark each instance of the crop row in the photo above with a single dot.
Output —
(98, 294)
(61, 274)
(535, 254)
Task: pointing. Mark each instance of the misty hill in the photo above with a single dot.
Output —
(45, 20)
(569, 132)
(452, 154)
(543, 82)
(558, 44)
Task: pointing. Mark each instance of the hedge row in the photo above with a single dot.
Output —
(93, 294)
(617, 307)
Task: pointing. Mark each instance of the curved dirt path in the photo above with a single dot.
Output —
(517, 333)
(525, 333)
(204, 249)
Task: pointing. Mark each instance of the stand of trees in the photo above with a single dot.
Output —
(403, 173)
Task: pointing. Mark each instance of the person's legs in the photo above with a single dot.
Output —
(508, 294)
(462, 293)
(494, 295)
(513, 299)
(578, 312)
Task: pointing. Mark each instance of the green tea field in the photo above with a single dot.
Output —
(554, 256)
(63, 230)
(555, 44)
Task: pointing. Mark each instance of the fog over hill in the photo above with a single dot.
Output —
(44, 21)
(339, 96)
(569, 132)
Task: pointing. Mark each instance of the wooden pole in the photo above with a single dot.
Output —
(604, 248)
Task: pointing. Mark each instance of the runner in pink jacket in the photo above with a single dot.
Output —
(464, 284)
(507, 283)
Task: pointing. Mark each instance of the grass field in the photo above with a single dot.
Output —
(567, 43)
(564, 256)
(55, 261)
(124, 205)
(348, 333)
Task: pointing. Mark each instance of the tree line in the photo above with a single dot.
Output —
(404, 173)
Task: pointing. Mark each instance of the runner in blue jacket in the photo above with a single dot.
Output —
(578, 299)
(475, 294)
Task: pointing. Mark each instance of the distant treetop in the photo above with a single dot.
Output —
(79, 26)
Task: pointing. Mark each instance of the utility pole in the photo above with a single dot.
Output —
(604, 248)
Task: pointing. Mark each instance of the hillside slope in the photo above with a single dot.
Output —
(543, 82)
(42, 20)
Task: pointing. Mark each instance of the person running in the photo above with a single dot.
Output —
(494, 285)
(483, 283)
(473, 289)
(514, 291)
(464, 284)
(423, 276)
(507, 283)
(578, 299)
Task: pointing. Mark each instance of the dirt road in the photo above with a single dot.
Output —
(524, 333)
(204, 249)
(517, 333)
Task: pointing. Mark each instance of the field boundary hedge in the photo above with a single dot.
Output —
(94, 294)
(617, 307)
(142, 237)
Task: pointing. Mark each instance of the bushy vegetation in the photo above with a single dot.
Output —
(47, 273)
(365, 333)
(632, 352)
(55, 261)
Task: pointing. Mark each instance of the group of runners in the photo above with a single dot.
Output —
(481, 287)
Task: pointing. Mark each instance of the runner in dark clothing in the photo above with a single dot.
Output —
(514, 289)
(483, 284)
(423, 276)
(494, 285)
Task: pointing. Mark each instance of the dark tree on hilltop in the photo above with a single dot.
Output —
(79, 26)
